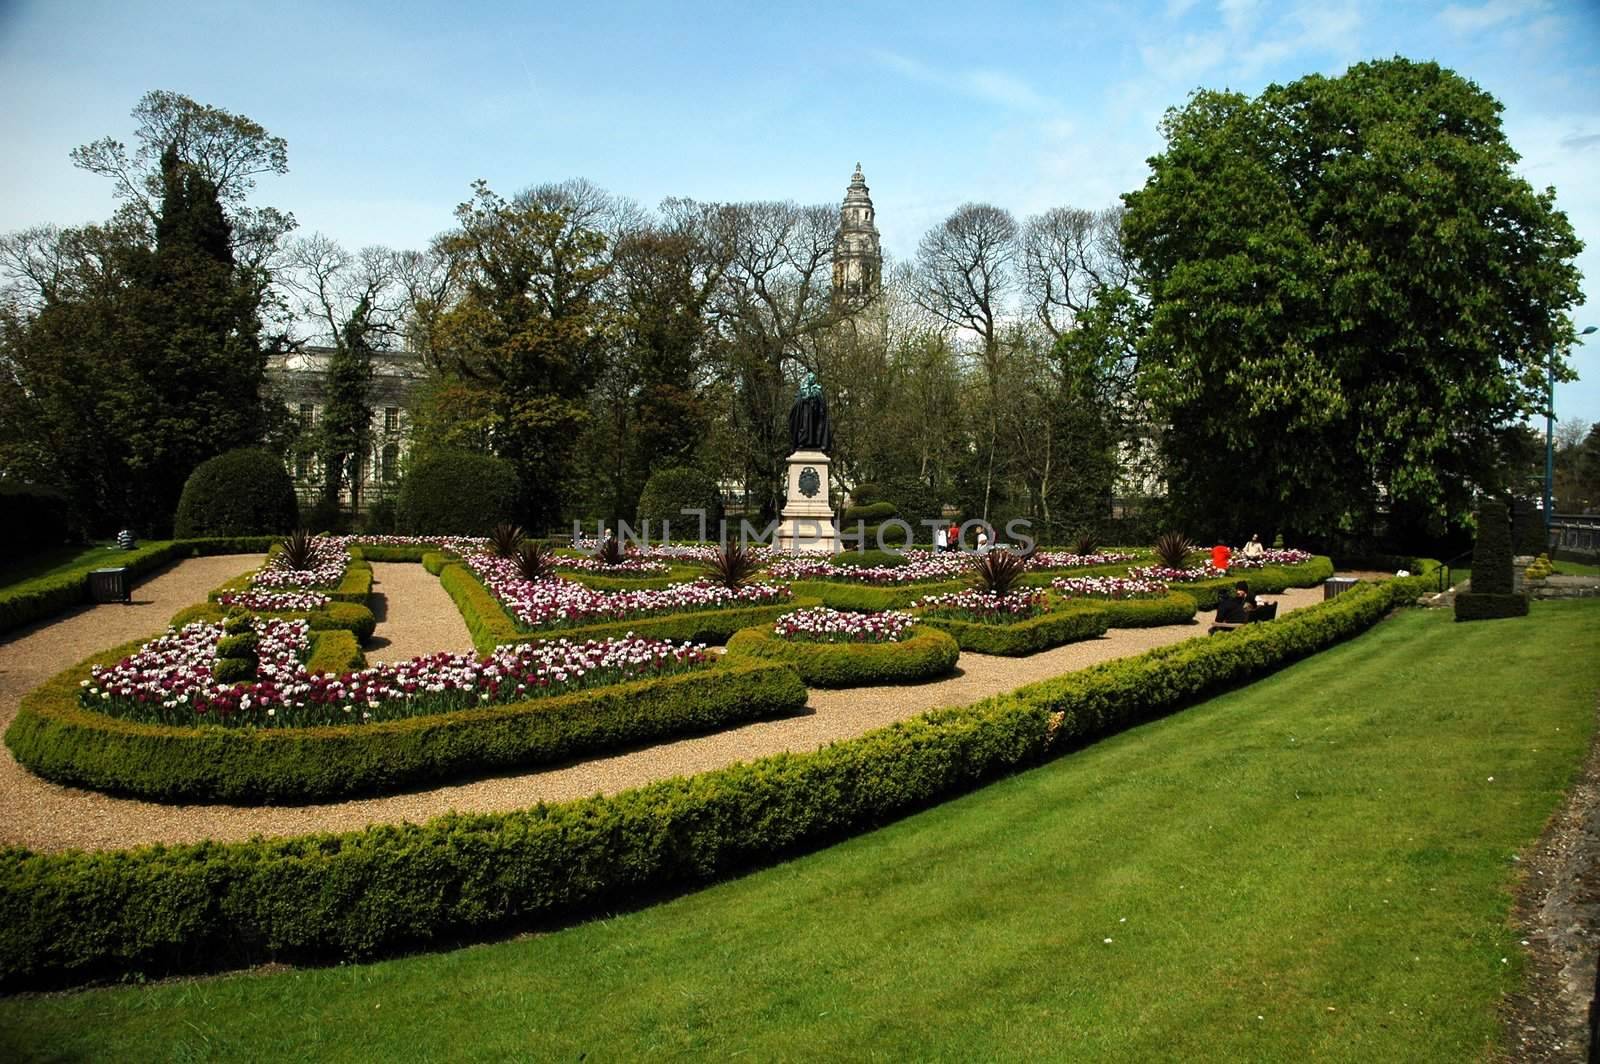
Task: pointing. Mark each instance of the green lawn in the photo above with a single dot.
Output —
(1315, 866)
(62, 560)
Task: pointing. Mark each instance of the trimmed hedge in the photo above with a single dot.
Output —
(870, 598)
(679, 574)
(34, 600)
(673, 489)
(1173, 608)
(1060, 626)
(348, 616)
(492, 626)
(924, 653)
(73, 916)
(1488, 606)
(374, 552)
(57, 739)
(245, 492)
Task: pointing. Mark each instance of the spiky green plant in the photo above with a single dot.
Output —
(1173, 549)
(997, 572)
(297, 552)
(732, 566)
(611, 552)
(535, 561)
(506, 538)
(1086, 545)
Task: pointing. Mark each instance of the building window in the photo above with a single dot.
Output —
(308, 416)
(302, 466)
(391, 419)
(391, 462)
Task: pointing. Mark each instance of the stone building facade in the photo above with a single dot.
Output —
(857, 255)
(300, 378)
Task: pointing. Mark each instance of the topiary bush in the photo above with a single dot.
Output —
(456, 493)
(241, 493)
(872, 513)
(870, 559)
(672, 490)
(1493, 591)
(1527, 527)
(923, 654)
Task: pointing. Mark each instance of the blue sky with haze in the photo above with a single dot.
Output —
(391, 110)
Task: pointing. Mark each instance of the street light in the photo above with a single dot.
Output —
(1550, 441)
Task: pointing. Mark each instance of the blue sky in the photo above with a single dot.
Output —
(391, 110)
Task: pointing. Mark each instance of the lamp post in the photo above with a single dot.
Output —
(1550, 441)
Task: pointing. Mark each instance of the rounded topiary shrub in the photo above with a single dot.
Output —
(674, 489)
(240, 493)
(456, 493)
(870, 559)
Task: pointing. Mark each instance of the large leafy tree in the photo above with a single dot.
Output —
(133, 351)
(517, 349)
(1353, 299)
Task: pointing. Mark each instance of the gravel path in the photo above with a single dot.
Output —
(44, 816)
(425, 622)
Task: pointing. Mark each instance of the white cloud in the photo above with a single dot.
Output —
(978, 83)
(1464, 19)
(1179, 8)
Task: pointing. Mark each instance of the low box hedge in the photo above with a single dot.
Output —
(349, 616)
(28, 601)
(1062, 625)
(492, 626)
(1175, 607)
(679, 574)
(56, 738)
(375, 552)
(1488, 606)
(924, 653)
(68, 917)
(871, 598)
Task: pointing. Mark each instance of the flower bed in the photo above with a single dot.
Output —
(980, 607)
(1109, 587)
(1166, 574)
(919, 653)
(56, 738)
(627, 565)
(555, 603)
(462, 545)
(329, 559)
(822, 625)
(920, 566)
(1289, 556)
(170, 681)
(1052, 559)
(275, 601)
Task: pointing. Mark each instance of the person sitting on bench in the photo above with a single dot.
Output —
(1237, 605)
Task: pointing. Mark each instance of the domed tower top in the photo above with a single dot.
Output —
(857, 256)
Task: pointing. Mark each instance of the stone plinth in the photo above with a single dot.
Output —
(807, 526)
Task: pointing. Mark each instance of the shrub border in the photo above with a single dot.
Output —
(73, 916)
(924, 653)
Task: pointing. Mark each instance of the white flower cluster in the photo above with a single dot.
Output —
(1176, 576)
(974, 605)
(275, 601)
(329, 559)
(1287, 556)
(1114, 587)
(822, 625)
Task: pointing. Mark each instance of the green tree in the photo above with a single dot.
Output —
(517, 349)
(1352, 297)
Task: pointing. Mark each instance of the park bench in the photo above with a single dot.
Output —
(1266, 611)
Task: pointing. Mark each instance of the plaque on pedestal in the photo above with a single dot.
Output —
(808, 525)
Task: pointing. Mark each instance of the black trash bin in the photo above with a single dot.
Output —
(110, 585)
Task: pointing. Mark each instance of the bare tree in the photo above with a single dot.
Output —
(966, 271)
(1070, 256)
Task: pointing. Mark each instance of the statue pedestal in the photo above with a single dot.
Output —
(807, 526)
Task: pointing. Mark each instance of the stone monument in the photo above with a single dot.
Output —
(808, 525)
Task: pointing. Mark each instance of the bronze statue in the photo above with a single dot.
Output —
(809, 429)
